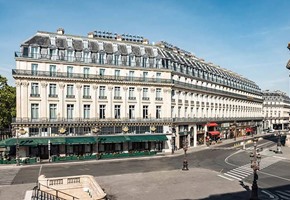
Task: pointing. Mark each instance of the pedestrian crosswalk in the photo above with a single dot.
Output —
(283, 195)
(244, 171)
(7, 175)
(275, 194)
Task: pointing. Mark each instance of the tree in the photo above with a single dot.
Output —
(7, 103)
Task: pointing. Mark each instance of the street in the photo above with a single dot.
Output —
(206, 168)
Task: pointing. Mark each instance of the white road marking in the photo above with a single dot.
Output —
(232, 176)
(225, 177)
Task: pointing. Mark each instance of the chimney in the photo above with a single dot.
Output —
(60, 31)
(145, 41)
(91, 35)
(119, 37)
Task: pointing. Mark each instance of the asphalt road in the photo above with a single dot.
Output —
(272, 178)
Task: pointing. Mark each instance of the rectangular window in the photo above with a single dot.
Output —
(103, 92)
(102, 111)
(145, 75)
(145, 94)
(70, 56)
(102, 72)
(101, 58)
(34, 90)
(69, 72)
(158, 76)
(179, 111)
(52, 70)
(52, 111)
(34, 52)
(52, 54)
(116, 59)
(87, 111)
(131, 93)
(70, 111)
(52, 90)
(131, 75)
(131, 111)
(158, 112)
(158, 94)
(117, 93)
(86, 57)
(145, 112)
(34, 69)
(117, 111)
(70, 91)
(86, 72)
(185, 112)
(86, 92)
(117, 74)
(144, 62)
(34, 111)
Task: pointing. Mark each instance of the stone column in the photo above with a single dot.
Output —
(194, 135)
(18, 99)
(95, 100)
(44, 102)
(78, 102)
(205, 131)
(177, 139)
(139, 102)
(25, 97)
(62, 101)
(110, 109)
(125, 100)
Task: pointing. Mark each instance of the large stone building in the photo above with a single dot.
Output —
(276, 110)
(134, 95)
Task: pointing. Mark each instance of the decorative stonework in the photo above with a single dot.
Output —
(61, 85)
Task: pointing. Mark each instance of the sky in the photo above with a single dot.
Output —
(248, 37)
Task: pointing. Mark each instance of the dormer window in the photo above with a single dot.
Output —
(34, 52)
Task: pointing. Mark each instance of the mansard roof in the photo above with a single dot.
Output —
(136, 47)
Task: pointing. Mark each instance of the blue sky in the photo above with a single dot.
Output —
(248, 37)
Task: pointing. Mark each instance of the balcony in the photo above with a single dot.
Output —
(132, 98)
(102, 97)
(70, 96)
(145, 98)
(53, 95)
(34, 95)
(158, 98)
(117, 97)
(87, 97)
(179, 101)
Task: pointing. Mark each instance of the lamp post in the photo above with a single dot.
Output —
(172, 143)
(185, 143)
(21, 132)
(96, 131)
(49, 145)
(279, 145)
(255, 165)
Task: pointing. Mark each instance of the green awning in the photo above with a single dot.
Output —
(8, 142)
(147, 138)
(80, 140)
(113, 139)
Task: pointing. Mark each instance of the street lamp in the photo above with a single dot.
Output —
(172, 143)
(255, 165)
(49, 145)
(21, 132)
(185, 143)
(96, 131)
(279, 146)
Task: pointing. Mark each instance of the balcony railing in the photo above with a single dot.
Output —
(135, 120)
(158, 98)
(145, 98)
(53, 95)
(132, 98)
(118, 97)
(110, 62)
(18, 72)
(102, 97)
(70, 96)
(86, 96)
(34, 95)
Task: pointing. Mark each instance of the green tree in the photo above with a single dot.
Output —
(7, 103)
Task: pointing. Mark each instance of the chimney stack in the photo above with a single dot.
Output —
(60, 31)
(91, 35)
